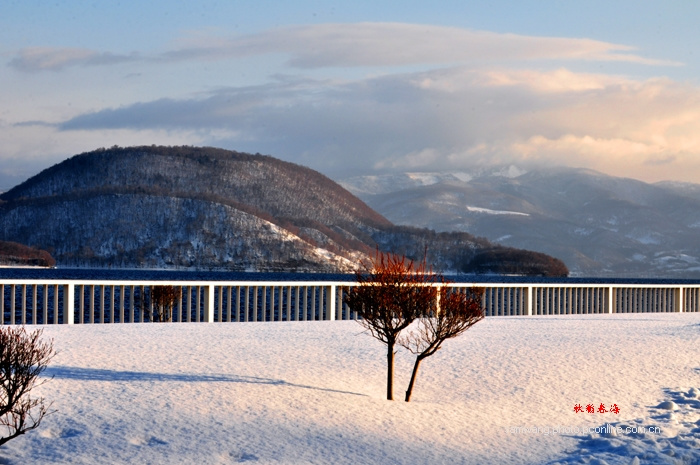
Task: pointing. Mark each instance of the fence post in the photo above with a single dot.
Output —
(611, 300)
(92, 303)
(101, 319)
(246, 304)
(68, 304)
(121, 304)
(529, 299)
(208, 304)
(679, 299)
(330, 301)
(13, 290)
(34, 304)
(24, 304)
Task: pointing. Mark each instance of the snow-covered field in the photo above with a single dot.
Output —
(313, 393)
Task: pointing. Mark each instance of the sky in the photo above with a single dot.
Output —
(363, 87)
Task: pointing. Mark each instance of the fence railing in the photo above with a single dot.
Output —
(77, 302)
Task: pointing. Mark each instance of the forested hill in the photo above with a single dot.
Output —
(206, 208)
(262, 183)
(14, 254)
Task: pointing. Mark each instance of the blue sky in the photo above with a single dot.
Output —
(357, 87)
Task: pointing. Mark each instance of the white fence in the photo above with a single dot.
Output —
(77, 302)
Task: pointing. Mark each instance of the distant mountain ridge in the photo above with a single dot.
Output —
(207, 208)
(599, 225)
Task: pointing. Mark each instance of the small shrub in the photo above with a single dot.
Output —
(163, 301)
(393, 291)
(458, 311)
(23, 357)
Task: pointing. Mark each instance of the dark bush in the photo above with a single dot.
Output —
(23, 357)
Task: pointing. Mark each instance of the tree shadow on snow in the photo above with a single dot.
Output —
(101, 374)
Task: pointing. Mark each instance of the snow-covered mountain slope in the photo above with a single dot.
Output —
(206, 208)
(189, 207)
(598, 225)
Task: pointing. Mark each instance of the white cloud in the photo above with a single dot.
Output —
(622, 157)
(397, 44)
(442, 119)
(55, 59)
(480, 98)
(29, 149)
(354, 45)
(555, 81)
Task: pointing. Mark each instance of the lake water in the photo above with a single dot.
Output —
(105, 274)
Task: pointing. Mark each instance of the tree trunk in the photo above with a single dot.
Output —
(390, 372)
(413, 379)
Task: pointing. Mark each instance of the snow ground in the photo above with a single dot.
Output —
(313, 393)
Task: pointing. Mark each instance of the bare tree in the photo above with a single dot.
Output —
(23, 357)
(457, 312)
(162, 302)
(392, 292)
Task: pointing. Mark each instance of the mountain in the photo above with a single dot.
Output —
(188, 207)
(599, 225)
(207, 208)
(685, 189)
